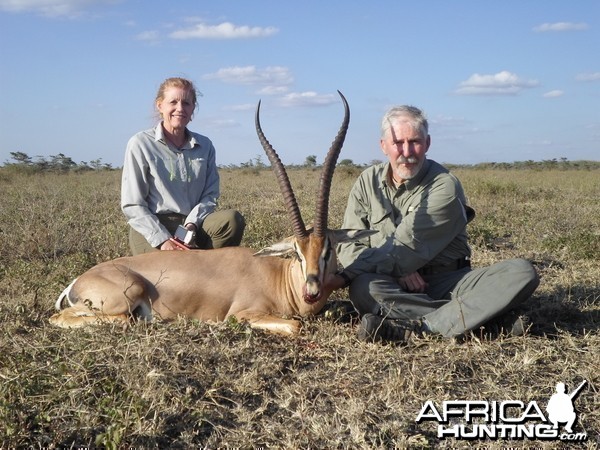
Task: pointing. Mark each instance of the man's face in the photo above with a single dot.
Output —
(405, 149)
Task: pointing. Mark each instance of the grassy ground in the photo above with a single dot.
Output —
(189, 384)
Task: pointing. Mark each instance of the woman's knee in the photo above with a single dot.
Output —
(237, 225)
(224, 228)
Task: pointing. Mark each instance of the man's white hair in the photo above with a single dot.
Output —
(410, 114)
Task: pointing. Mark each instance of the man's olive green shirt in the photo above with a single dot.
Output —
(420, 223)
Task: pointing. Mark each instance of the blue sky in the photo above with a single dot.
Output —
(499, 80)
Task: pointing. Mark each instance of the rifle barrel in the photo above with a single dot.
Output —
(576, 391)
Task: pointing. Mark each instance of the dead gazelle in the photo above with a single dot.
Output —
(212, 285)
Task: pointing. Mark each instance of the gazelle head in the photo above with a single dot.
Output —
(314, 248)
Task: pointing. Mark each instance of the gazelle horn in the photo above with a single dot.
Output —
(320, 225)
(284, 182)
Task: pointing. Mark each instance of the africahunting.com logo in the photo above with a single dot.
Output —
(509, 419)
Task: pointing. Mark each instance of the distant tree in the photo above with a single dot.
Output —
(42, 163)
(346, 162)
(57, 163)
(61, 163)
(310, 161)
(82, 167)
(258, 162)
(549, 163)
(96, 164)
(21, 158)
(564, 163)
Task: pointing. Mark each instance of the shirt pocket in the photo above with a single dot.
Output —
(161, 168)
(382, 221)
(198, 168)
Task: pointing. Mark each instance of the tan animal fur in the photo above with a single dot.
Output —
(211, 285)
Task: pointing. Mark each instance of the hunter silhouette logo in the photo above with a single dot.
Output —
(560, 406)
(507, 419)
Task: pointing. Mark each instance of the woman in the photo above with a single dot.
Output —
(170, 178)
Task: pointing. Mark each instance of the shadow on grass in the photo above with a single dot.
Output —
(574, 310)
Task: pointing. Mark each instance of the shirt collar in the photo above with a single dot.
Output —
(158, 133)
(159, 136)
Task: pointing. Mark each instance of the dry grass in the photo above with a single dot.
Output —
(188, 384)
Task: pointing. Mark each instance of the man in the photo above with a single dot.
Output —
(414, 276)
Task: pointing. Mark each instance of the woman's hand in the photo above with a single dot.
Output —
(169, 245)
(191, 227)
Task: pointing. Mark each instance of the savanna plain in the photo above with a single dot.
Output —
(187, 384)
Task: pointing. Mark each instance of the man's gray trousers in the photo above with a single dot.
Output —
(454, 302)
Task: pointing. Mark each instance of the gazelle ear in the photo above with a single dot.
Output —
(282, 248)
(350, 235)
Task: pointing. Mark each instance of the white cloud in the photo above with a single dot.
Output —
(273, 79)
(149, 36)
(220, 124)
(594, 130)
(595, 76)
(560, 26)
(241, 107)
(540, 143)
(51, 8)
(448, 121)
(553, 94)
(309, 98)
(226, 30)
(273, 90)
(501, 83)
(451, 129)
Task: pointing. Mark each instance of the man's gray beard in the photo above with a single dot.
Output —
(411, 160)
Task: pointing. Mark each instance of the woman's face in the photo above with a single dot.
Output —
(176, 108)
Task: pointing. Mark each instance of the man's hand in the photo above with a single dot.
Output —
(413, 282)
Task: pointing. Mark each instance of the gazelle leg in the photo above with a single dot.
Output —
(269, 323)
(81, 315)
(110, 296)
